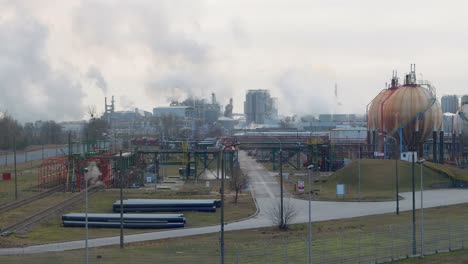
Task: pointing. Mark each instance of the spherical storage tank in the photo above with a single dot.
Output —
(460, 122)
(412, 107)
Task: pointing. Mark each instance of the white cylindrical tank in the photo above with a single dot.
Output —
(460, 122)
(447, 122)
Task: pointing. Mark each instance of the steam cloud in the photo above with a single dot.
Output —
(306, 90)
(94, 174)
(96, 75)
(31, 88)
(180, 64)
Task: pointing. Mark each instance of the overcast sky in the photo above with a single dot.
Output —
(58, 58)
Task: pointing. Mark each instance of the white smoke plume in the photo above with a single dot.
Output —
(94, 175)
(94, 74)
(31, 86)
(306, 90)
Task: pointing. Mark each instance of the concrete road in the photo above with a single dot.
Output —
(265, 190)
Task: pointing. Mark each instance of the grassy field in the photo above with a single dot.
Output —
(377, 181)
(27, 181)
(456, 257)
(101, 202)
(263, 241)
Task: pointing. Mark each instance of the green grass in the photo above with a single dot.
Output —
(377, 180)
(455, 257)
(101, 202)
(360, 237)
(27, 181)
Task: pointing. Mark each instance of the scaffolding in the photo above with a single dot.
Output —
(53, 172)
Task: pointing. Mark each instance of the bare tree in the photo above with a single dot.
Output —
(92, 111)
(289, 213)
(237, 180)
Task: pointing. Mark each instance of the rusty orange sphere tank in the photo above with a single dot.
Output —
(411, 107)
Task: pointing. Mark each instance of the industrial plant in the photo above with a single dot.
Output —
(189, 148)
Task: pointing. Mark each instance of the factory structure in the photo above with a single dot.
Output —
(405, 119)
(260, 107)
(192, 117)
(135, 122)
(449, 104)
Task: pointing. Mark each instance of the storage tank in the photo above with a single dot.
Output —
(447, 122)
(464, 100)
(412, 107)
(460, 122)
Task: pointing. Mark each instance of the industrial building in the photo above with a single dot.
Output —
(260, 107)
(129, 122)
(337, 117)
(181, 111)
(449, 104)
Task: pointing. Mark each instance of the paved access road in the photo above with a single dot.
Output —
(266, 192)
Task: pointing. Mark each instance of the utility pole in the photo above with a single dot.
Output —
(121, 202)
(14, 160)
(309, 246)
(222, 205)
(86, 214)
(281, 188)
(414, 204)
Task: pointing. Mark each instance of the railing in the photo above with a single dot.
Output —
(385, 244)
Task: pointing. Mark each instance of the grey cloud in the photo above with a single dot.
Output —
(181, 64)
(31, 89)
(126, 103)
(238, 31)
(181, 84)
(95, 75)
(149, 25)
(306, 90)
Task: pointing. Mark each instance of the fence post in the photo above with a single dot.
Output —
(392, 235)
(436, 248)
(342, 238)
(408, 239)
(359, 247)
(237, 257)
(450, 237)
(324, 251)
(286, 250)
(463, 236)
(375, 247)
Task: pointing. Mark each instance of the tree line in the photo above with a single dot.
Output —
(43, 132)
(31, 133)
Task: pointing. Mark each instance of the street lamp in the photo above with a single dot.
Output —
(86, 214)
(414, 203)
(121, 192)
(422, 207)
(359, 167)
(14, 159)
(223, 174)
(310, 168)
(396, 173)
(281, 181)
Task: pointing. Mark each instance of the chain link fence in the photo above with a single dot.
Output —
(386, 244)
